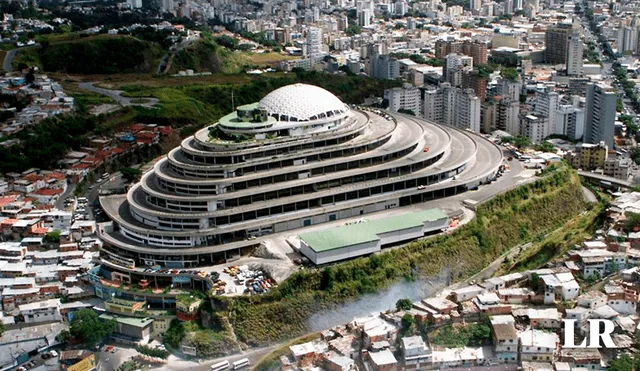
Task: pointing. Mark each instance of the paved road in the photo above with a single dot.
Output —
(8, 59)
(165, 62)
(254, 355)
(116, 95)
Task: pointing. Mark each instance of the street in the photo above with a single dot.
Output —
(116, 95)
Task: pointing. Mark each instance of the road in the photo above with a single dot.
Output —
(254, 355)
(8, 59)
(111, 361)
(165, 62)
(117, 95)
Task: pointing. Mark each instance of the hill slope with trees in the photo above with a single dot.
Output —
(102, 54)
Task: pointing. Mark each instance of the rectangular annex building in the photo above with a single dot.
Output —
(370, 236)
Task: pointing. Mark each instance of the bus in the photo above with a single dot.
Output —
(241, 364)
(220, 366)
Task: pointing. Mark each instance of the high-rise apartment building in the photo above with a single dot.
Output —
(432, 107)
(556, 43)
(384, 67)
(507, 116)
(563, 45)
(570, 121)
(475, 50)
(574, 53)
(406, 97)
(534, 127)
(509, 89)
(134, 4)
(467, 110)
(454, 66)
(546, 104)
(472, 79)
(600, 114)
(314, 43)
(452, 106)
(167, 6)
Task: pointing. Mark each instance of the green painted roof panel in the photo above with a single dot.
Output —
(367, 231)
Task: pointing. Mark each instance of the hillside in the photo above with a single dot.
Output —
(523, 214)
(102, 54)
(192, 103)
(205, 55)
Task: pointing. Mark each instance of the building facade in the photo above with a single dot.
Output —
(297, 158)
(600, 114)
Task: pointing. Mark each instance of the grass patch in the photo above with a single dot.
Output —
(139, 101)
(87, 99)
(27, 56)
(561, 240)
(462, 335)
(500, 224)
(268, 59)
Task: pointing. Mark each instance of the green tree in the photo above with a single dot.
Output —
(545, 146)
(510, 74)
(52, 237)
(407, 111)
(407, 322)
(635, 155)
(87, 327)
(175, 333)
(520, 142)
(226, 41)
(404, 304)
(353, 29)
(622, 363)
(632, 221)
(130, 174)
(63, 336)
(534, 282)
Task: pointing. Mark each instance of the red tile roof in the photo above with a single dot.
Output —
(48, 192)
(39, 230)
(6, 200)
(134, 128)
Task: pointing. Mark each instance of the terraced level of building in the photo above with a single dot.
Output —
(299, 157)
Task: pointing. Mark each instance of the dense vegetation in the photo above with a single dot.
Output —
(152, 352)
(88, 328)
(44, 144)
(462, 335)
(210, 55)
(191, 106)
(214, 342)
(202, 104)
(93, 55)
(509, 219)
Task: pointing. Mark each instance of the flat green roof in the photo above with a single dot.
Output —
(367, 231)
(231, 121)
(131, 321)
(248, 107)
